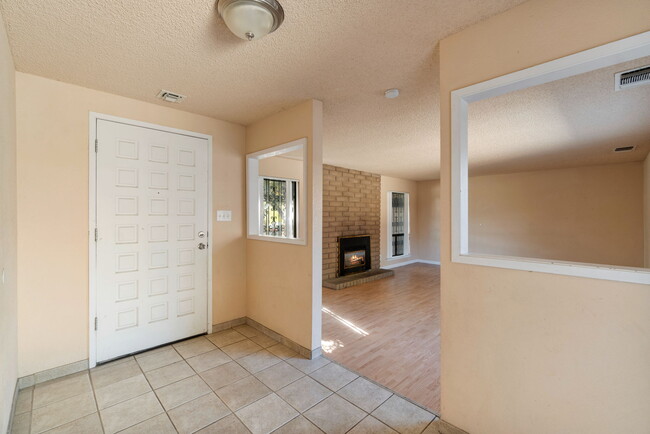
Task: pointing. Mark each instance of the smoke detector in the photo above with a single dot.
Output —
(625, 149)
(391, 93)
(172, 97)
(632, 78)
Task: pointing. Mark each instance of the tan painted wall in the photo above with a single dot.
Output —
(401, 186)
(517, 214)
(52, 127)
(429, 220)
(279, 167)
(8, 296)
(284, 280)
(646, 209)
(526, 352)
(587, 214)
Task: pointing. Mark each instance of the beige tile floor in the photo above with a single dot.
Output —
(234, 381)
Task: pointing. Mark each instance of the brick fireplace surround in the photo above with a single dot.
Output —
(351, 206)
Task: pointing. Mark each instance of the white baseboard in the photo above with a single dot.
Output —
(413, 261)
(424, 261)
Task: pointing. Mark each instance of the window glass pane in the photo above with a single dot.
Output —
(398, 244)
(274, 207)
(398, 223)
(293, 213)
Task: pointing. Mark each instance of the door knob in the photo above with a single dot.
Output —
(201, 246)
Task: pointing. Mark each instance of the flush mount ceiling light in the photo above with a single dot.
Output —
(251, 19)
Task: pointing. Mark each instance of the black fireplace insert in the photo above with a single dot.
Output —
(354, 254)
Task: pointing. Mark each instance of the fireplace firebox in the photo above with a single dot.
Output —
(354, 254)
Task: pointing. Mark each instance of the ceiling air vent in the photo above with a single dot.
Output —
(625, 149)
(168, 96)
(632, 78)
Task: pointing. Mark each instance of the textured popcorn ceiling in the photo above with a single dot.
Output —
(577, 121)
(343, 52)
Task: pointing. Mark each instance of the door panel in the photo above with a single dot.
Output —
(152, 202)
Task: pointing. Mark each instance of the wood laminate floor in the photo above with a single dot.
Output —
(389, 331)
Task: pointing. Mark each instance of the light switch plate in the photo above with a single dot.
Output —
(224, 216)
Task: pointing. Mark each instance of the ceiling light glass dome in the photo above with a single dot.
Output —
(251, 19)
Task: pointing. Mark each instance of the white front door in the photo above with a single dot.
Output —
(152, 221)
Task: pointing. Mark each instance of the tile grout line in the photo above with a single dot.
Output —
(154, 391)
(86, 372)
(362, 419)
(385, 387)
(99, 415)
(94, 395)
(302, 413)
(250, 374)
(369, 413)
(31, 409)
(333, 392)
(348, 401)
(199, 375)
(214, 391)
(234, 413)
(435, 416)
(312, 378)
(128, 378)
(211, 389)
(137, 396)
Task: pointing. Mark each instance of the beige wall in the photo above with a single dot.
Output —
(280, 167)
(52, 128)
(592, 200)
(527, 352)
(586, 214)
(284, 280)
(429, 220)
(399, 185)
(8, 275)
(646, 209)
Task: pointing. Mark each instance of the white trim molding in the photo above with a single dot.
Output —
(413, 261)
(92, 220)
(254, 209)
(600, 57)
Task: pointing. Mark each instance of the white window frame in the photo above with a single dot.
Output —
(254, 209)
(289, 206)
(596, 58)
(407, 225)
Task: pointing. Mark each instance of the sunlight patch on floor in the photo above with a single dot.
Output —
(345, 322)
(329, 346)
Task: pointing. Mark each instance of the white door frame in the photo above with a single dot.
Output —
(92, 219)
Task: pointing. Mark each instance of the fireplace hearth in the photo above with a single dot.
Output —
(354, 254)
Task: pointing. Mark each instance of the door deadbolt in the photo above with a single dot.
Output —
(201, 246)
(201, 234)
